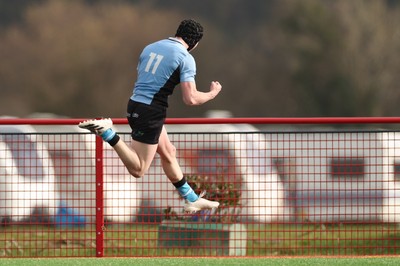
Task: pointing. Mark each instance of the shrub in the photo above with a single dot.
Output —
(223, 190)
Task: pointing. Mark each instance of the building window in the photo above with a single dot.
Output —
(347, 167)
(396, 170)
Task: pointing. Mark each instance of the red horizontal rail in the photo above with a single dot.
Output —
(241, 120)
(286, 120)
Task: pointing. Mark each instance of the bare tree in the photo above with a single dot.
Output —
(371, 53)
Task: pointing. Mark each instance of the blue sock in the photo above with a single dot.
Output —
(108, 135)
(186, 191)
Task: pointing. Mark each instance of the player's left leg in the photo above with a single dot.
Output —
(171, 167)
(167, 153)
(136, 157)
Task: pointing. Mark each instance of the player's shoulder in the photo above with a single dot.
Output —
(168, 43)
(165, 46)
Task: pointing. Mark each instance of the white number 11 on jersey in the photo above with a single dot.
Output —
(156, 64)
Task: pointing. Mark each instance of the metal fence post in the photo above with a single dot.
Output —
(99, 199)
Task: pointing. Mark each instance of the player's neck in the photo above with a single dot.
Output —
(179, 39)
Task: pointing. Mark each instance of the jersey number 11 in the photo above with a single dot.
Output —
(157, 58)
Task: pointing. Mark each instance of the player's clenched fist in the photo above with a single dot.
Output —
(215, 87)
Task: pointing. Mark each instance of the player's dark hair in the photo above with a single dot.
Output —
(190, 31)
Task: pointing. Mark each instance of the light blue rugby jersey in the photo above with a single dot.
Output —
(162, 66)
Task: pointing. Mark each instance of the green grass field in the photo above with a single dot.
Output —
(206, 261)
(263, 240)
(267, 244)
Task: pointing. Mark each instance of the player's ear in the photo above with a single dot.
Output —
(191, 49)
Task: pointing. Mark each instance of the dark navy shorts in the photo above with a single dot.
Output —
(146, 121)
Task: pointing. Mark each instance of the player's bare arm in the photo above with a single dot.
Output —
(191, 96)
